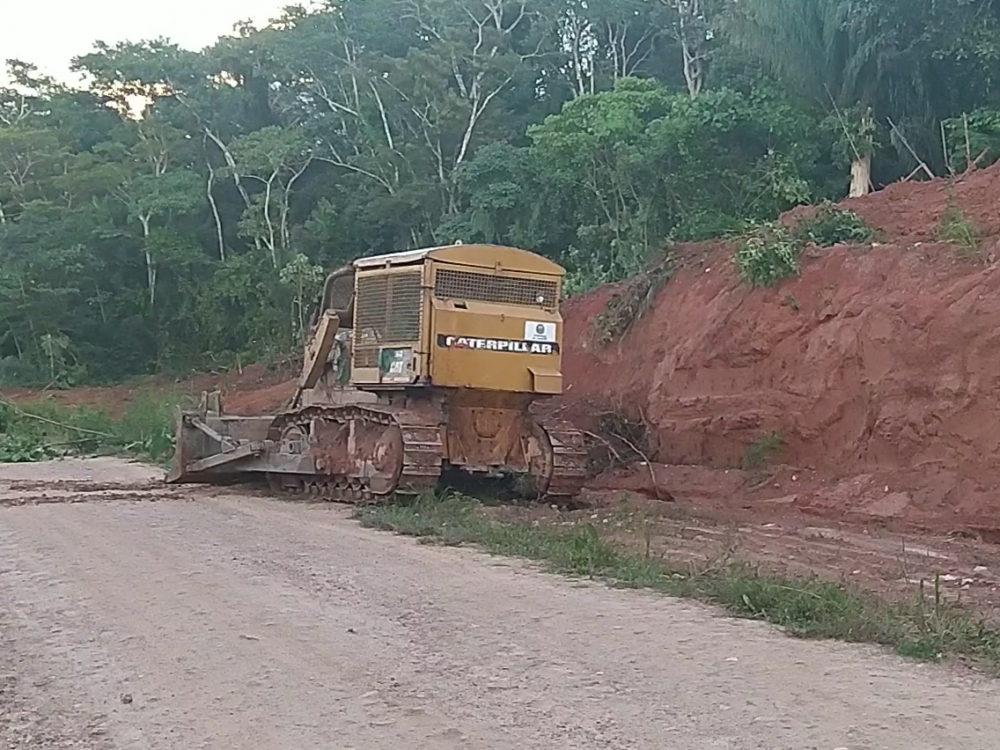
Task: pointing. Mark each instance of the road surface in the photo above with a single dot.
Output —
(175, 620)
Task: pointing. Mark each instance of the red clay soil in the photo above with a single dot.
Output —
(879, 365)
(910, 213)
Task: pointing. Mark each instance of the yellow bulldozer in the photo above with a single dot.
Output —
(421, 368)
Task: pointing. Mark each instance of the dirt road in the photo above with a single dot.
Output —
(196, 619)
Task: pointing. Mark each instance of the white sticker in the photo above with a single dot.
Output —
(536, 331)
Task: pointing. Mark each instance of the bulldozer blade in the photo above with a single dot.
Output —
(210, 446)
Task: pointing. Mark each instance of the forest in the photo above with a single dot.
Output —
(181, 209)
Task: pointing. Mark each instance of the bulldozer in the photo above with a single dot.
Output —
(420, 370)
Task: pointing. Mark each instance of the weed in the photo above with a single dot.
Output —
(24, 449)
(147, 428)
(959, 229)
(41, 431)
(635, 300)
(764, 450)
(809, 608)
(832, 225)
(768, 254)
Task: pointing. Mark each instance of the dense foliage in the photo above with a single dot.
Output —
(180, 211)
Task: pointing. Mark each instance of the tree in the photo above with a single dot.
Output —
(154, 188)
(864, 60)
(274, 158)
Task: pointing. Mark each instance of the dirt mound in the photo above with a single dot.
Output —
(883, 360)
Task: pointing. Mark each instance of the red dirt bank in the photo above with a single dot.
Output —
(881, 360)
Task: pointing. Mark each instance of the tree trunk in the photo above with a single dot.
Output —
(215, 214)
(861, 176)
(150, 263)
(151, 278)
(694, 72)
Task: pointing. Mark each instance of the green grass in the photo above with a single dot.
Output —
(764, 450)
(36, 432)
(926, 628)
(960, 230)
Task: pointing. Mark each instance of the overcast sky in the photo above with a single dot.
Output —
(51, 32)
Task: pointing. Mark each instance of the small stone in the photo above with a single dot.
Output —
(127, 699)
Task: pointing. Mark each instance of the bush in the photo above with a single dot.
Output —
(832, 225)
(768, 254)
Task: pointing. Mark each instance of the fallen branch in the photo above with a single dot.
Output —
(902, 139)
(644, 457)
(54, 423)
(608, 445)
(974, 164)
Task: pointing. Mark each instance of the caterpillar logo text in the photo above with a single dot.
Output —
(498, 345)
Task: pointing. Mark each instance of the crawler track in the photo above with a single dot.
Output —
(423, 455)
(422, 459)
(569, 470)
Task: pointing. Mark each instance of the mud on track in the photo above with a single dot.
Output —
(216, 620)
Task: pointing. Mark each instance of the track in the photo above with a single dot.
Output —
(570, 459)
(218, 621)
(422, 454)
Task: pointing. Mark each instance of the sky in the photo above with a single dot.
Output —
(49, 33)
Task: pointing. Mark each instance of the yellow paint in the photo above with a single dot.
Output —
(510, 342)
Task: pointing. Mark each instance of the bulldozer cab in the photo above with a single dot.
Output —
(338, 298)
(460, 316)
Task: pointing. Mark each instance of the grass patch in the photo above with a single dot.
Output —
(928, 628)
(761, 452)
(960, 230)
(41, 431)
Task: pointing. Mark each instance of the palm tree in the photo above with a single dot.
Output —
(839, 54)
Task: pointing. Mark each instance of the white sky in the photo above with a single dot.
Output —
(49, 33)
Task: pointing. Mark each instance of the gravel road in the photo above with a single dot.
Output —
(196, 618)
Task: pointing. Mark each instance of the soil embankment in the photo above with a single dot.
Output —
(880, 363)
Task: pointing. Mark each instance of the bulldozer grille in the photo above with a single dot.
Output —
(503, 290)
(387, 311)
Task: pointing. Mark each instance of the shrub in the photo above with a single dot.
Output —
(768, 254)
(764, 450)
(832, 225)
